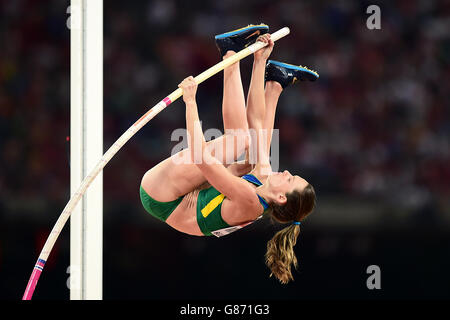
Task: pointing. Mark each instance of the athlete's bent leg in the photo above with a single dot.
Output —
(179, 175)
(272, 93)
(233, 102)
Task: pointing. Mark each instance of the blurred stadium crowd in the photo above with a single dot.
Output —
(373, 130)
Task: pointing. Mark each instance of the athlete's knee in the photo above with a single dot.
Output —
(240, 138)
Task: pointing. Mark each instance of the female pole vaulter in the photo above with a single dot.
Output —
(205, 196)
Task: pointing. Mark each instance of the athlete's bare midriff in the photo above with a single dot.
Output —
(184, 217)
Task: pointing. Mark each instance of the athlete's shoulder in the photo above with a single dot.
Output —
(235, 213)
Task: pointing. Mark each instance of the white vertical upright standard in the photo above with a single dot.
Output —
(86, 147)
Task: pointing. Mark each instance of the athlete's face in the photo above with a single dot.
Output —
(284, 182)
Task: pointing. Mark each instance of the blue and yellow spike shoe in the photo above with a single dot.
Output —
(241, 38)
(286, 74)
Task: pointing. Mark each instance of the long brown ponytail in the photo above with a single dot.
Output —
(280, 254)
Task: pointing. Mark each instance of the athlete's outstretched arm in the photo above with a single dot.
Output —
(218, 176)
(256, 108)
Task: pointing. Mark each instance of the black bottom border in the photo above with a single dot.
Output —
(238, 309)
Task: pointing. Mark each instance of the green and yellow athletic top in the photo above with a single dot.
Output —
(209, 205)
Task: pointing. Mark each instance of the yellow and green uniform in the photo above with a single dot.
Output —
(209, 204)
